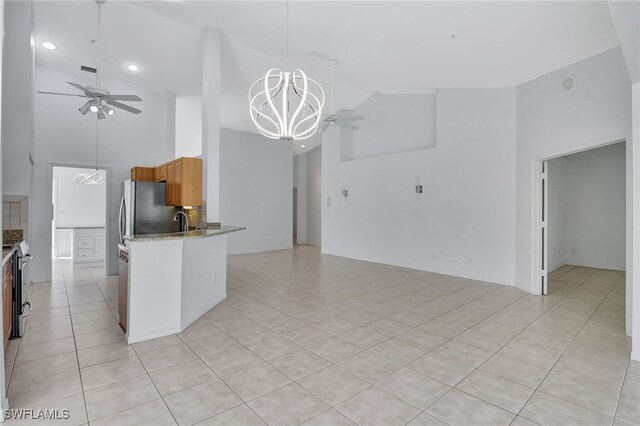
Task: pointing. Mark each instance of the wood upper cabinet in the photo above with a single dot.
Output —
(144, 174)
(160, 173)
(171, 190)
(7, 292)
(184, 182)
(183, 177)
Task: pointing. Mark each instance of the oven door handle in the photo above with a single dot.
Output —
(25, 259)
(121, 218)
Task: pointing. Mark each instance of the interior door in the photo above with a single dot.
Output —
(544, 183)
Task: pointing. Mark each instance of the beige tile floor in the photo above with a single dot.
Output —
(318, 340)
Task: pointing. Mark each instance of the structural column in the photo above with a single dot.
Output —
(211, 123)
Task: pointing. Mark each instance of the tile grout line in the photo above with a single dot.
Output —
(476, 368)
(84, 397)
(565, 350)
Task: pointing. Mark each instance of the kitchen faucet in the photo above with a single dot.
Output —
(186, 220)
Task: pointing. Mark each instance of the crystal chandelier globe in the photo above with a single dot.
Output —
(286, 104)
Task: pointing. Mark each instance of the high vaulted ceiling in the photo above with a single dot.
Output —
(387, 47)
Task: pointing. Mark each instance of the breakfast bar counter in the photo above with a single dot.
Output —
(173, 279)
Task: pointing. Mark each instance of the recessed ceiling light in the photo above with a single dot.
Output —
(49, 45)
(303, 146)
(133, 67)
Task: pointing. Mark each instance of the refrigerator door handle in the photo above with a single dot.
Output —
(120, 221)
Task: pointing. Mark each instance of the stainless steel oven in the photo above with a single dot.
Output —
(21, 305)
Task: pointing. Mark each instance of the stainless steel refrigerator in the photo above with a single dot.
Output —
(143, 209)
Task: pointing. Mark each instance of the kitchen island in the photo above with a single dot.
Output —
(173, 279)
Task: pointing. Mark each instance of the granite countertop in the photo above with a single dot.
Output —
(6, 254)
(200, 233)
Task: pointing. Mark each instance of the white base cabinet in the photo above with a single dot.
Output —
(89, 247)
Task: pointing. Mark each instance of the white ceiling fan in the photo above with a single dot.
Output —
(100, 99)
(337, 118)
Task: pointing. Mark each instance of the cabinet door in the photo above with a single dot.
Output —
(162, 173)
(190, 193)
(178, 183)
(171, 185)
(100, 247)
(144, 174)
(6, 307)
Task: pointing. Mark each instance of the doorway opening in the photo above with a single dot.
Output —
(307, 169)
(582, 222)
(79, 220)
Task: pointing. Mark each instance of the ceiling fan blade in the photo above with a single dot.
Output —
(124, 107)
(131, 98)
(77, 86)
(352, 118)
(347, 125)
(62, 94)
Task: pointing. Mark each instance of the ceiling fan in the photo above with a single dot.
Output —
(100, 99)
(340, 120)
(337, 118)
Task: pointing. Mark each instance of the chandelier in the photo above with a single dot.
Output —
(286, 104)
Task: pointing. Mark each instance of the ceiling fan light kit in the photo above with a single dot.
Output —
(286, 105)
(100, 99)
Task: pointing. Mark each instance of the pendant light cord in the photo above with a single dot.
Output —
(98, 70)
(333, 67)
(98, 42)
(287, 36)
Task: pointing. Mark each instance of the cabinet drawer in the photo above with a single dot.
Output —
(83, 243)
(88, 232)
(83, 255)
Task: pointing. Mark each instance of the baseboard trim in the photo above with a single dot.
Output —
(187, 322)
(150, 335)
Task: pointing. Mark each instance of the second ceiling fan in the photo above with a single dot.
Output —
(337, 118)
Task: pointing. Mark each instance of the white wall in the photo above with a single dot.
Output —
(314, 196)
(300, 185)
(188, 126)
(408, 120)
(633, 259)
(553, 121)
(462, 224)
(18, 98)
(255, 191)
(626, 19)
(75, 205)
(590, 208)
(64, 136)
(3, 401)
(79, 205)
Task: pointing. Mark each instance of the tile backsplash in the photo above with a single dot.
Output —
(11, 215)
(15, 213)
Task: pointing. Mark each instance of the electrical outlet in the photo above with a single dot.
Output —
(433, 255)
(573, 251)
